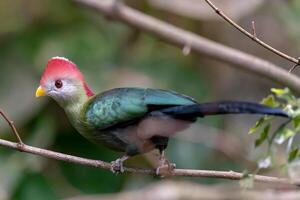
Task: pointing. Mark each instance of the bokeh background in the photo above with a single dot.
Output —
(111, 54)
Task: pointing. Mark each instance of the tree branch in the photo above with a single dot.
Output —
(13, 128)
(251, 36)
(104, 165)
(196, 43)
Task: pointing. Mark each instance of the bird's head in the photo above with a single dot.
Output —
(63, 81)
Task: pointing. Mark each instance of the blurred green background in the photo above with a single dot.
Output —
(111, 54)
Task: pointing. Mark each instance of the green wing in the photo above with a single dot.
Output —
(123, 105)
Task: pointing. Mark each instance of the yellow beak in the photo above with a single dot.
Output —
(40, 92)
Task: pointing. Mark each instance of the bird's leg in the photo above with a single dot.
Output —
(163, 163)
(117, 165)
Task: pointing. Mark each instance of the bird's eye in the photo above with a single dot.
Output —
(58, 84)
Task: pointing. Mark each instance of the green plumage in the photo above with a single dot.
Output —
(124, 104)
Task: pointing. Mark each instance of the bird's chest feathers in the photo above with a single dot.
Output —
(74, 112)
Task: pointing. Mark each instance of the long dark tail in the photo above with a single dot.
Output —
(219, 108)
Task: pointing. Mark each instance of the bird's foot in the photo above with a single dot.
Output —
(165, 168)
(117, 165)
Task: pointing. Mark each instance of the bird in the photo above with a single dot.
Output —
(131, 120)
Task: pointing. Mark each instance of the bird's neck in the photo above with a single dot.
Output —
(74, 106)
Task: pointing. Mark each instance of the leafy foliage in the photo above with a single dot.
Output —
(286, 131)
(293, 154)
(263, 135)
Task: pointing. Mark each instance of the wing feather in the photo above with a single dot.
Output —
(124, 105)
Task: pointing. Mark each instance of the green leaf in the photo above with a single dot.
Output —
(270, 101)
(257, 125)
(279, 91)
(294, 113)
(296, 122)
(263, 135)
(284, 94)
(283, 135)
(287, 133)
(278, 131)
(294, 153)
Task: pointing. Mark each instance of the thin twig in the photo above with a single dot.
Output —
(104, 165)
(253, 29)
(294, 67)
(13, 128)
(198, 44)
(251, 36)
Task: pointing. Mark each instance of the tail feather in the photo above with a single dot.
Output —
(219, 108)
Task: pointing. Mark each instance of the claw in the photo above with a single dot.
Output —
(117, 165)
(165, 167)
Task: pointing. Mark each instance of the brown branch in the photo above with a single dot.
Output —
(251, 36)
(196, 43)
(12, 126)
(104, 165)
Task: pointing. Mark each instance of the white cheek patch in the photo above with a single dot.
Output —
(67, 90)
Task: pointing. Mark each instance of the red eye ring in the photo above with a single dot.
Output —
(58, 84)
